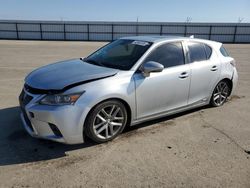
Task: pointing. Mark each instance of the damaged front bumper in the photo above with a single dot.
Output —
(62, 124)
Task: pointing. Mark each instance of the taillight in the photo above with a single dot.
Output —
(233, 63)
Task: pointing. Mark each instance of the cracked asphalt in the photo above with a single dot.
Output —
(205, 147)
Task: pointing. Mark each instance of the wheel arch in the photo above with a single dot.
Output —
(125, 103)
(230, 83)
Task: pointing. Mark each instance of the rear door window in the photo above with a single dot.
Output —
(196, 52)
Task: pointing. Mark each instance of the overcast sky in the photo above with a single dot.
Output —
(127, 10)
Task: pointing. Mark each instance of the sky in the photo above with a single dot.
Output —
(127, 10)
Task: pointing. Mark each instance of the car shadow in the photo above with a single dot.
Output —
(17, 147)
(164, 119)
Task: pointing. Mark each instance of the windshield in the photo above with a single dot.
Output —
(120, 54)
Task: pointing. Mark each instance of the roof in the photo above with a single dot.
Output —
(156, 39)
(153, 39)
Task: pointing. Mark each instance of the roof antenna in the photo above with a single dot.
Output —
(240, 19)
(188, 20)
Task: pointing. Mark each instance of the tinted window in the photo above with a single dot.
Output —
(197, 52)
(169, 55)
(224, 51)
(120, 54)
(208, 51)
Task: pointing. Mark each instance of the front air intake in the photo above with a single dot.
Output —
(55, 130)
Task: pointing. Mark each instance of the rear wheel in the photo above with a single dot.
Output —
(220, 94)
(106, 121)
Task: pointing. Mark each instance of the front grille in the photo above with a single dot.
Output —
(27, 120)
(24, 99)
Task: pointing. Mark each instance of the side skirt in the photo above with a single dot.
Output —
(170, 112)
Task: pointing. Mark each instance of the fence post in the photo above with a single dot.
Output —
(88, 32)
(41, 32)
(137, 29)
(161, 30)
(210, 32)
(17, 32)
(64, 31)
(235, 32)
(112, 32)
(185, 31)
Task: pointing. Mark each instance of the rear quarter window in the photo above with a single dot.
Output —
(208, 51)
(223, 51)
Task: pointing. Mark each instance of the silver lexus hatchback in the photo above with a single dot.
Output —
(126, 82)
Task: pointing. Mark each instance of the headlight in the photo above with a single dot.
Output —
(60, 99)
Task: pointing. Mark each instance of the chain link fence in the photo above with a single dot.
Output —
(108, 31)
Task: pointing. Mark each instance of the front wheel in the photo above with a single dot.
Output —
(106, 121)
(220, 94)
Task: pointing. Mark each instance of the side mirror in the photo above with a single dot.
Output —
(151, 66)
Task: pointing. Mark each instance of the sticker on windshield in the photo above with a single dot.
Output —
(141, 43)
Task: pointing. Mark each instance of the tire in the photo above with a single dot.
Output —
(106, 121)
(220, 94)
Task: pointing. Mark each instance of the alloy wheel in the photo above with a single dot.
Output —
(221, 93)
(108, 121)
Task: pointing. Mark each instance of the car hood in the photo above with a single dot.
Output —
(61, 75)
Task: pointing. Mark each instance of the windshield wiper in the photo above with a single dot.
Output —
(91, 61)
(98, 63)
(110, 65)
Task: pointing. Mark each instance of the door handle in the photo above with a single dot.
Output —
(183, 75)
(214, 68)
